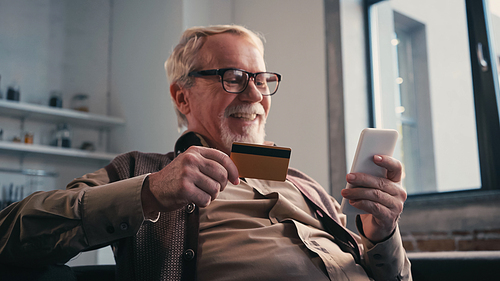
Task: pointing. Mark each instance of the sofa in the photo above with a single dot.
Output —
(428, 266)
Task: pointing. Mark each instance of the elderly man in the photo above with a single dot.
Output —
(187, 215)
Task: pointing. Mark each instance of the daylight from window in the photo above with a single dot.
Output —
(422, 86)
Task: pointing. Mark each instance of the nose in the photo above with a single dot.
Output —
(251, 94)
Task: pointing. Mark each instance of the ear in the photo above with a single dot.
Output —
(179, 96)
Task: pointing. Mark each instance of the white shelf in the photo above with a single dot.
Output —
(49, 150)
(57, 115)
(29, 172)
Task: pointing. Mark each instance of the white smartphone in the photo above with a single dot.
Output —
(371, 142)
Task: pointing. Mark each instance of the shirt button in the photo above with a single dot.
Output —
(189, 254)
(123, 226)
(110, 229)
(190, 208)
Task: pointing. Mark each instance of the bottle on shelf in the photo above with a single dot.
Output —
(55, 99)
(28, 137)
(62, 136)
(13, 92)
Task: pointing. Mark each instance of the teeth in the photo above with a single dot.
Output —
(246, 116)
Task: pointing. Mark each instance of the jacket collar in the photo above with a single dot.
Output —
(188, 139)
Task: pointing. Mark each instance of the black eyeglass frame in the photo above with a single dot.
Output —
(221, 71)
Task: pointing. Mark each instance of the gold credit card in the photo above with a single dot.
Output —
(261, 161)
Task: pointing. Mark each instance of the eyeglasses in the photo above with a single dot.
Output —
(235, 80)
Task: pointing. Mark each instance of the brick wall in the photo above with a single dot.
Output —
(476, 240)
(454, 222)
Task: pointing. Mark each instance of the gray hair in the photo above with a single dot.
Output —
(184, 57)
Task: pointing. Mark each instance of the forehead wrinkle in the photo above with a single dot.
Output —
(222, 54)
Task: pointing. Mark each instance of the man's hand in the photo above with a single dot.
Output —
(195, 176)
(381, 198)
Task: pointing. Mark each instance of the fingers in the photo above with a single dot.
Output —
(391, 184)
(372, 182)
(383, 209)
(202, 173)
(375, 201)
(191, 193)
(195, 176)
(383, 191)
(231, 172)
(393, 166)
(209, 169)
(382, 198)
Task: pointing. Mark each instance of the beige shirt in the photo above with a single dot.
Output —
(75, 219)
(291, 244)
(263, 230)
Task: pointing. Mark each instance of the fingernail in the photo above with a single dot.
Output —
(378, 158)
(351, 177)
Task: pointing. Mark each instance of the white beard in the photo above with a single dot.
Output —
(251, 134)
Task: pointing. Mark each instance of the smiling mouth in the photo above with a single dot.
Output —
(244, 116)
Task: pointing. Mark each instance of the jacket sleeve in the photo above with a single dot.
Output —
(52, 227)
(385, 260)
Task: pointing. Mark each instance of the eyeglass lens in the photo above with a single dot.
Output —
(235, 81)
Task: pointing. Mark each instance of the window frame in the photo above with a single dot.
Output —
(485, 92)
(485, 86)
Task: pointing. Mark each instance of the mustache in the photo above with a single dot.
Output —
(255, 108)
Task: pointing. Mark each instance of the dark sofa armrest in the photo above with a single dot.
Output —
(57, 273)
(457, 266)
(94, 272)
(46, 273)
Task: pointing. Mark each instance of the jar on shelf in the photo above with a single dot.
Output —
(28, 138)
(13, 92)
(80, 102)
(62, 136)
(55, 99)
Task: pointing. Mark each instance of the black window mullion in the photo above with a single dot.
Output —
(369, 60)
(485, 94)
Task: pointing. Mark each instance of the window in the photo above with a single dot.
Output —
(432, 81)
